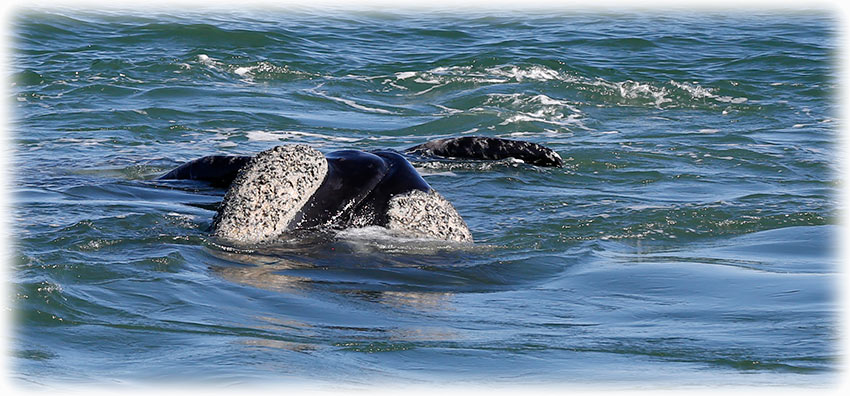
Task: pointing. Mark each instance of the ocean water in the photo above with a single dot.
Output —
(689, 240)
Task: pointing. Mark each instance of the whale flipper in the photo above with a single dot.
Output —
(488, 148)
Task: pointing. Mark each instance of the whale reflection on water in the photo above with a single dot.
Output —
(367, 263)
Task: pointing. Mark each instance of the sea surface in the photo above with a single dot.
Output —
(688, 242)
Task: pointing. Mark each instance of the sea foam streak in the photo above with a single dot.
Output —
(315, 91)
(294, 135)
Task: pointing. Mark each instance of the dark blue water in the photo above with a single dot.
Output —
(688, 241)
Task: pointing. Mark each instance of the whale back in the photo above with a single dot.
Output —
(218, 170)
(352, 176)
(400, 178)
(293, 188)
(488, 148)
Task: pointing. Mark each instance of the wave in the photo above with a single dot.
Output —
(348, 102)
(581, 88)
(255, 71)
(274, 136)
(535, 108)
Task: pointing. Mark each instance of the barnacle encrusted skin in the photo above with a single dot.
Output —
(268, 192)
(426, 215)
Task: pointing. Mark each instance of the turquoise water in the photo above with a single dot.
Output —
(688, 241)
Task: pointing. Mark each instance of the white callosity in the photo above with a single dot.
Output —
(268, 192)
(426, 215)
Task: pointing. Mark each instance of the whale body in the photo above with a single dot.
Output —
(294, 187)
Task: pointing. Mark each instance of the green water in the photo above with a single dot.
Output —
(688, 240)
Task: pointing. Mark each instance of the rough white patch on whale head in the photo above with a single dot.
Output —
(426, 215)
(268, 192)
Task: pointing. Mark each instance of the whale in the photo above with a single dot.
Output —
(220, 170)
(294, 187)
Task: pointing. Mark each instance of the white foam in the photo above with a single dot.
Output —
(448, 110)
(182, 216)
(374, 233)
(645, 207)
(262, 136)
(450, 69)
(430, 81)
(695, 91)
(519, 99)
(426, 172)
(394, 85)
(404, 75)
(242, 71)
(206, 60)
(429, 89)
(545, 100)
(699, 92)
(729, 99)
(632, 90)
(537, 73)
(536, 108)
(546, 117)
(526, 134)
(378, 238)
(290, 135)
(360, 78)
(82, 141)
(348, 102)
